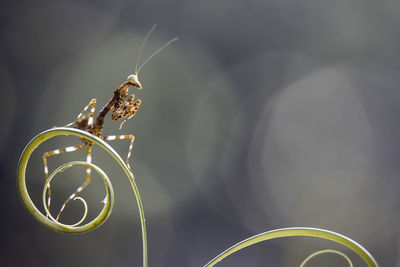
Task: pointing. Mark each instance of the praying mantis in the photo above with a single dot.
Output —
(122, 108)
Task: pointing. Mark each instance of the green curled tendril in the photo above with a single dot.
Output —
(106, 211)
(325, 251)
(298, 231)
(50, 222)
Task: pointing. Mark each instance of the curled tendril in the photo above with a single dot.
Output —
(52, 223)
(109, 190)
(325, 251)
(85, 211)
(298, 231)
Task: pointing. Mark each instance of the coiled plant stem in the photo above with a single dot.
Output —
(298, 231)
(104, 214)
(326, 251)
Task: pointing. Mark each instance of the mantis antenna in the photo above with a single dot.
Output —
(141, 48)
(137, 70)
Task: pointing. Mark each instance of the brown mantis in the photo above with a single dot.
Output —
(122, 108)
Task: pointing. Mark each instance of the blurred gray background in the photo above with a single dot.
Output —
(265, 114)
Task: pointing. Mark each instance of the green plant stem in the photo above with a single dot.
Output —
(23, 192)
(325, 251)
(298, 231)
(106, 211)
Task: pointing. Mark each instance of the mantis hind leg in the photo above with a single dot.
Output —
(82, 186)
(45, 166)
